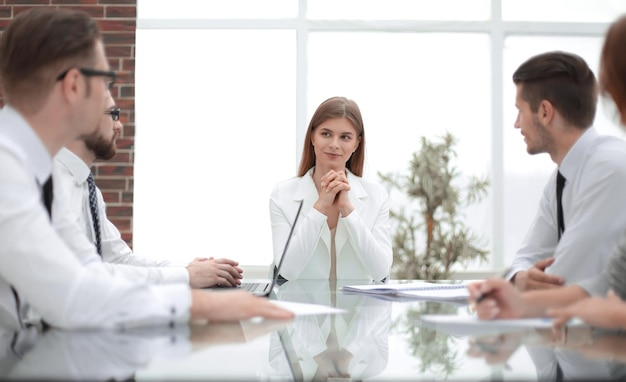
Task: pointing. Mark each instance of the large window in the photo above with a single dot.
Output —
(225, 90)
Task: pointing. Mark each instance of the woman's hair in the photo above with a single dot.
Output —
(613, 65)
(335, 107)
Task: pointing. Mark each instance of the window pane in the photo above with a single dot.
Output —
(526, 175)
(399, 9)
(216, 9)
(215, 122)
(408, 86)
(562, 10)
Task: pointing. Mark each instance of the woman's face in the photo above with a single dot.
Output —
(334, 141)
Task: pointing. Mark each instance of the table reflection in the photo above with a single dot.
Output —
(350, 346)
(101, 355)
(577, 353)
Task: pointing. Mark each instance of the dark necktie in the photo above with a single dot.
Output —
(560, 183)
(93, 205)
(47, 195)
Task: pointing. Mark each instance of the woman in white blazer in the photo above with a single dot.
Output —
(344, 230)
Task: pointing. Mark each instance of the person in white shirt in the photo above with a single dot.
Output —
(74, 162)
(55, 77)
(344, 232)
(556, 100)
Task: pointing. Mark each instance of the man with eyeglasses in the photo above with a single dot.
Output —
(55, 79)
(87, 208)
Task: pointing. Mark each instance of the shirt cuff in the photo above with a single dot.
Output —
(173, 275)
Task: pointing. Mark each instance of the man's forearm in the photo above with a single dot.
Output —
(537, 301)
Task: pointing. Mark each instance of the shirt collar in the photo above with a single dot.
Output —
(577, 153)
(76, 166)
(16, 128)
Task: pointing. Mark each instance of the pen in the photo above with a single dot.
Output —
(486, 294)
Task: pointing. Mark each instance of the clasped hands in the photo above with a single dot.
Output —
(333, 191)
(205, 272)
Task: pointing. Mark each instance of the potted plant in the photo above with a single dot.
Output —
(430, 235)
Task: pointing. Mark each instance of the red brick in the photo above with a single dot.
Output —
(118, 38)
(19, 9)
(118, 2)
(120, 157)
(111, 184)
(107, 25)
(122, 224)
(125, 103)
(128, 238)
(128, 64)
(127, 91)
(128, 196)
(122, 11)
(74, 2)
(125, 143)
(129, 130)
(115, 64)
(120, 211)
(124, 77)
(111, 196)
(107, 170)
(117, 51)
(4, 23)
(93, 11)
(46, 2)
(6, 12)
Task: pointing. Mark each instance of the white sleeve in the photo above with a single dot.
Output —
(68, 291)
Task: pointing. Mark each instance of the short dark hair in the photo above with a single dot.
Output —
(565, 80)
(335, 107)
(38, 44)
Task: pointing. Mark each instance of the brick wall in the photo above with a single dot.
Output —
(117, 22)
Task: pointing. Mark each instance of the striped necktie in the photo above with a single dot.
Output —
(95, 217)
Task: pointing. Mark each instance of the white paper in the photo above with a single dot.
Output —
(473, 326)
(396, 288)
(302, 309)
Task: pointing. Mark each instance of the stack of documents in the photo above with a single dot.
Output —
(413, 291)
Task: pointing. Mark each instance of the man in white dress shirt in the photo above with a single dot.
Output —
(55, 79)
(556, 101)
(74, 162)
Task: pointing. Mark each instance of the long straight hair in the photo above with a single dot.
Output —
(335, 107)
(613, 65)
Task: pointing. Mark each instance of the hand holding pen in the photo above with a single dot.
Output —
(496, 298)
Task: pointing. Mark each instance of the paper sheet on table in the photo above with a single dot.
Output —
(302, 309)
(472, 326)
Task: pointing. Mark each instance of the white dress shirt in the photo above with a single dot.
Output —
(72, 179)
(57, 271)
(593, 209)
(362, 239)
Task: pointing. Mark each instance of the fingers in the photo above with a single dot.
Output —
(226, 261)
(611, 295)
(560, 315)
(538, 279)
(544, 263)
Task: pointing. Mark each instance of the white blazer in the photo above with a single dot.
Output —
(362, 240)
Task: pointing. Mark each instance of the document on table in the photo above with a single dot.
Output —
(302, 309)
(473, 326)
(416, 291)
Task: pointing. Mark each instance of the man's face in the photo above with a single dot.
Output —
(102, 141)
(97, 93)
(537, 138)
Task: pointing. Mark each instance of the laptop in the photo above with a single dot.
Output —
(261, 287)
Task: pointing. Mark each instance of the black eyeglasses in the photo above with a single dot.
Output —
(115, 113)
(93, 73)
